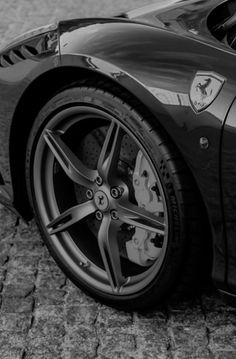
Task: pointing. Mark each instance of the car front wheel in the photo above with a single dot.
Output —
(110, 196)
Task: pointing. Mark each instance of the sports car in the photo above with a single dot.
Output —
(119, 136)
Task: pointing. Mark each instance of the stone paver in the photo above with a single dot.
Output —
(43, 315)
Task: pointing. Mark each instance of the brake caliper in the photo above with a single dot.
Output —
(145, 246)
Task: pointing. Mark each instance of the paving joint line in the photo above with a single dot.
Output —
(207, 329)
(95, 324)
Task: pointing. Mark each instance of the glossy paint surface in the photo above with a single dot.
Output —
(13, 82)
(228, 169)
(187, 17)
(158, 66)
(20, 64)
(18, 61)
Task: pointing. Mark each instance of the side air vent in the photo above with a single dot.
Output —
(6, 61)
(36, 47)
(222, 23)
(11, 58)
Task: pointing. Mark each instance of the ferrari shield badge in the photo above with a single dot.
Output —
(205, 88)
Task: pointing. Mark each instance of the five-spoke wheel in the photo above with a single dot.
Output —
(101, 189)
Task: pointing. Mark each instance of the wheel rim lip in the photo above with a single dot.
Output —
(94, 276)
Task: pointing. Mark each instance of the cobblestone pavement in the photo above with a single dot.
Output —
(44, 316)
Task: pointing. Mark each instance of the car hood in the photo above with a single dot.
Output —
(186, 17)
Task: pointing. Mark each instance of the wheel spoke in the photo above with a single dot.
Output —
(70, 217)
(108, 245)
(139, 217)
(71, 164)
(109, 156)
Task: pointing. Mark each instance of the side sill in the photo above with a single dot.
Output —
(228, 297)
(6, 200)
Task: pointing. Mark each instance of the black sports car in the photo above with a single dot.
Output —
(119, 136)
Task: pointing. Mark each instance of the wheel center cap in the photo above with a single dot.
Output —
(101, 200)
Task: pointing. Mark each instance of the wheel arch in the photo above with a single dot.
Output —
(47, 84)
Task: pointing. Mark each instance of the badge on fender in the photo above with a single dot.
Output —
(204, 89)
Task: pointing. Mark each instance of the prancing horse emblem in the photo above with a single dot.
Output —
(205, 88)
(101, 200)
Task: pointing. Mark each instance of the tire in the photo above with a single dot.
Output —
(111, 197)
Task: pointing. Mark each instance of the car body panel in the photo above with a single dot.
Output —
(18, 70)
(187, 18)
(229, 192)
(12, 85)
(157, 65)
(14, 81)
